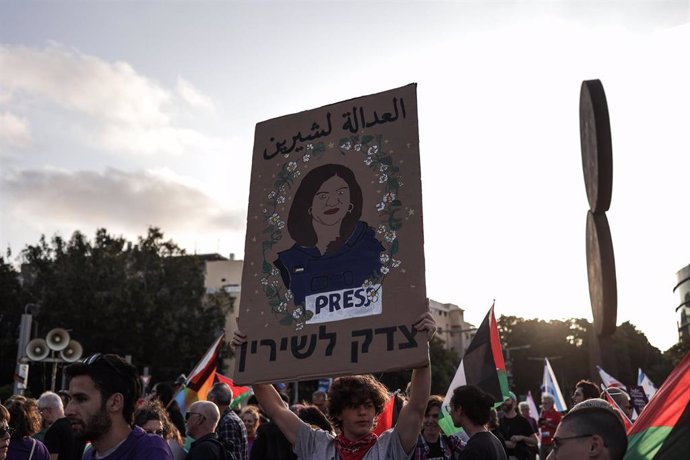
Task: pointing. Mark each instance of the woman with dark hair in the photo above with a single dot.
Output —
(152, 417)
(163, 392)
(333, 249)
(26, 421)
(470, 408)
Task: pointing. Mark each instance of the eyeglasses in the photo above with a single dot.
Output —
(98, 357)
(558, 441)
(189, 414)
(6, 430)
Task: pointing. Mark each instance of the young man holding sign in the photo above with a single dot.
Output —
(354, 403)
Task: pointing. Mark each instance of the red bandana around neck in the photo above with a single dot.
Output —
(354, 450)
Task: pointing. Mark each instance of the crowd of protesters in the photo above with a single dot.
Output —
(102, 416)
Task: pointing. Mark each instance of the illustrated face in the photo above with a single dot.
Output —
(86, 410)
(430, 424)
(331, 202)
(250, 423)
(153, 427)
(358, 421)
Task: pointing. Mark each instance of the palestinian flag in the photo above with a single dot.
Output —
(662, 431)
(201, 379)
(239, 393)
(482, 366)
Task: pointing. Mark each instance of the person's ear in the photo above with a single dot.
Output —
(115, 402)
(596, 446)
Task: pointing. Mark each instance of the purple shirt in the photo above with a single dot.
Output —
(21, 448)
(138, 446)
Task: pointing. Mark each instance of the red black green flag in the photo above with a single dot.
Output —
(482, 365)
(662, 431)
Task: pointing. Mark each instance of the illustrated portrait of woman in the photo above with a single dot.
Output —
(334, 249)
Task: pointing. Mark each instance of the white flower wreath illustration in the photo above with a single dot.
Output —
(389, 208)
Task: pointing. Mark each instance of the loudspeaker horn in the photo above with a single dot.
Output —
(37, 350)
(57, 339)
(72, 353)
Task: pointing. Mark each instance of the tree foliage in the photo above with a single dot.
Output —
(444, 363)
(12, 301)
(567, 345)
(143, 299)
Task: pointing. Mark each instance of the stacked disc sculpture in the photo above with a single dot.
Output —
(597, 166)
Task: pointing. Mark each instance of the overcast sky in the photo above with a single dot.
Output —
(129, 114)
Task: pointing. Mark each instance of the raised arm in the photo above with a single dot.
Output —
(271, 402)
(411, 416)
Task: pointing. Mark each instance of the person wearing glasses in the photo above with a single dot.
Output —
(201, 421)
(103, 392)
(152, 417)
(26, 422)
(59, 438)
(589, 432)
(163, 392)
(5, 432)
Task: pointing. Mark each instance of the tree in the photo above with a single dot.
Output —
(676, 353)
(12, 302)
(444, 363)
(563, 342)
(143, 299)
(566, 343)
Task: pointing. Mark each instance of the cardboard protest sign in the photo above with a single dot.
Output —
(334, 257)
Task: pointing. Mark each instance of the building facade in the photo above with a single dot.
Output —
(224, 274)
(682, 290)
(455, 333)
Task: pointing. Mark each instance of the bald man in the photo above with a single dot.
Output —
(590, 432)
(201, 420)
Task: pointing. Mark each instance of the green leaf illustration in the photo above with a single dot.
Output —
(286, 320)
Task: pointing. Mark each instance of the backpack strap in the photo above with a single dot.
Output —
(33, 447)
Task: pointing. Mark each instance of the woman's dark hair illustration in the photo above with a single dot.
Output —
(299, 223)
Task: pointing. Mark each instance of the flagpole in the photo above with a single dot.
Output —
(200, 364)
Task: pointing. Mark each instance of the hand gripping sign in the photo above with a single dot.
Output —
(333, 275)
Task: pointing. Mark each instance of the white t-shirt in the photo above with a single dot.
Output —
(313, 444)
